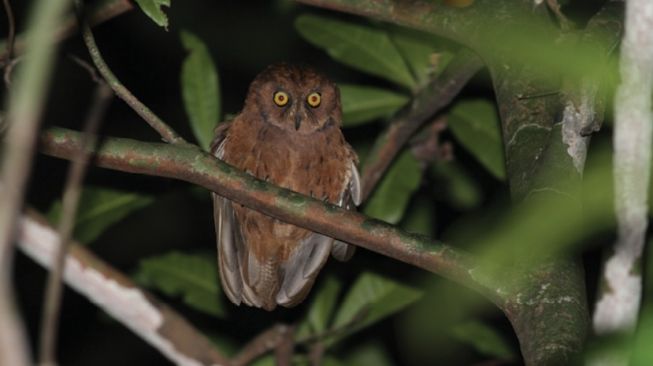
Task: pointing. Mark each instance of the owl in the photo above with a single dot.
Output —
(288, 133)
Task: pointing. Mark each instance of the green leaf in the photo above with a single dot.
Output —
(486, 340)
(389, 200)
(153, 9)
(100, 208)
(475, 125)
(362, 104)
(423, 55)
(193, 277)
(200, 89)
(364, 48)
(455, 186)
(368, 354)
(370, 299)
(323, 304)
(420, 216)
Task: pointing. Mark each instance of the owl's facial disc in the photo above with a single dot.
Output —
(295, 99)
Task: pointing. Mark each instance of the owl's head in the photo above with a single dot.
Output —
(294, 98)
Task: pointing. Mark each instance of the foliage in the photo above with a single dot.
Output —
(390, 199)
(476, 125)
(154, 10)
(367, 49)
(362, 104)
(100, 208)
(193, 277)
(200, 89)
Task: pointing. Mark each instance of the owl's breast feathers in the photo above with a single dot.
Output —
(319, 165)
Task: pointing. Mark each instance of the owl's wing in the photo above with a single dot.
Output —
(301, 269)
(230, 244)
(351, 197)
(307, 259)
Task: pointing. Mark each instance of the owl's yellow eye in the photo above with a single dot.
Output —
(280, 98)
(314, 99)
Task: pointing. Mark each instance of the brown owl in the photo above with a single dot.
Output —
(288, 133)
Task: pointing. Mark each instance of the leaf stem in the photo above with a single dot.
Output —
(166, 132)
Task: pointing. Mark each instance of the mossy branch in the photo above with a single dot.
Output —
(191, 164)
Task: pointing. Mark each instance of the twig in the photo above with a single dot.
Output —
(11, 36)
(9, 69)
(115, 293)
(315, 353)
(428, 148)
(285, 349)
(617, 309)
(435, 96)
(166, 132)
(92, 72)
(265, 342)
(72, 193)
(99, 12)
(25, 105)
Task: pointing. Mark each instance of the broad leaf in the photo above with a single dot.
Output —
(420, 216)
(362, 104)
(475, 125)
(371, 299)
(153, 9)
(389, 200)
(362, 47)
(455, 186)
(193, 277)
(321, 310)
(100, 208)
(422, 54)
(486, 340)
(200, 89)
(368, 354)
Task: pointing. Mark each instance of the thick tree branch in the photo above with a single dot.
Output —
(189, 163)
(618, 307)
(435, 96)
(115, 293)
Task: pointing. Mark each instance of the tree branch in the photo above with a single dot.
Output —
(435, 96)
(98, 13)
(71, 196)
(189, 163)
(166, 132)
(618, 307)
(23, 117)
(115, 293)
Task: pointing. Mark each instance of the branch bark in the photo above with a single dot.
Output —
(618, 307)
(433, 98)
(189, 163)
(115, 293)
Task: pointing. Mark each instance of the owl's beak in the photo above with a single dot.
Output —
(298, 121)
